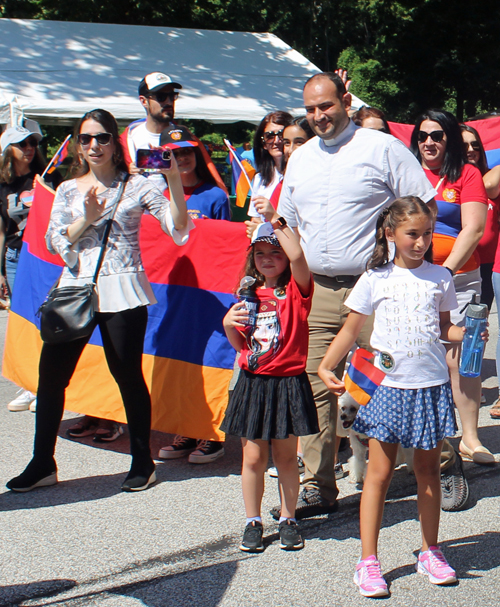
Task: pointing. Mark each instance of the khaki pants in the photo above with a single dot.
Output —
(327, 317)
(447, 455)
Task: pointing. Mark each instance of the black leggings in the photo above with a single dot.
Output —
(123, 340)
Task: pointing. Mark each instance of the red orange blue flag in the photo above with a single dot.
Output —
(242, 174)
(58, 157)
(362, 378)
(187, 360)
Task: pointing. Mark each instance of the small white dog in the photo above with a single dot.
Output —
(346, 414)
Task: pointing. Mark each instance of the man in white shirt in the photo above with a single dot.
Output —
(157, 94)
(335, 187)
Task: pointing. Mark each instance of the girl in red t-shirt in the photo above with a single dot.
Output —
(272, 400)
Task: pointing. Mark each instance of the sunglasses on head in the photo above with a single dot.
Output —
(473, 144)
(31, 141)
(85, 139)
(436, 136)
(161, 97)
(269, 136)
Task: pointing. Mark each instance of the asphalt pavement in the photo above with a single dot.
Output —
(84, 542)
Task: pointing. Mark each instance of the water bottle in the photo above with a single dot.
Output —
(471, 358)
(247, 295)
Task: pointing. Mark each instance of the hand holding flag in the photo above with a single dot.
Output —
(362, 378)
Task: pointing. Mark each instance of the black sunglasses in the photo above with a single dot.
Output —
(85, 139)
(162, 97)
(269, 136)
(436, 136)
(31, 141)
(473, 144)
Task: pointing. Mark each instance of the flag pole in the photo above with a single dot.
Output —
(238, 162)
(55, 155)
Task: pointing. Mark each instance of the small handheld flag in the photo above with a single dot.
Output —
(243, 173)
(362, 378)
(58, 157)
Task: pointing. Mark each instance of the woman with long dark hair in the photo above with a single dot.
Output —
(20, 162)
(462, 206)
(492, 183)
(268, 154)
(81, 210)
(487, 246)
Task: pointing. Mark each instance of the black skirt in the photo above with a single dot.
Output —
(267, 406)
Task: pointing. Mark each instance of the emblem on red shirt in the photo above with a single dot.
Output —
(449, 195)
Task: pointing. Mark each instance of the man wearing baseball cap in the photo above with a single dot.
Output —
(157, 94)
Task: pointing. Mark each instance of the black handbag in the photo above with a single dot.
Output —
(68, 313)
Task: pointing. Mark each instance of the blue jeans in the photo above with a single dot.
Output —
(11, 260)
(496, 288)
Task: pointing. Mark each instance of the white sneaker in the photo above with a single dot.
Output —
(33, 406)
(22, 402)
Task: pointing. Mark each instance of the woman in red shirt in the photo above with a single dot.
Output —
(462, 206)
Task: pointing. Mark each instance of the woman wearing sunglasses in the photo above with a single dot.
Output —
(78, 219)
(268, 154)
(491, 180)
(487, 246)
(21, 160)
(462, 206)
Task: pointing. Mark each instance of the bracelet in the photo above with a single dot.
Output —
(449, 270)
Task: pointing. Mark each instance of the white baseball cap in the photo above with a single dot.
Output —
(265, 233)
(15, 134)
(154, 82)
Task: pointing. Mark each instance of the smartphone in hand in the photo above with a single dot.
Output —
(151, 161)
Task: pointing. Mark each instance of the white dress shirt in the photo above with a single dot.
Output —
(334, 191)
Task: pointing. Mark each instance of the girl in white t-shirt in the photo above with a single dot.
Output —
(411, 299)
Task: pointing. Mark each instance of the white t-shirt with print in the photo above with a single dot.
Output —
(406, 330)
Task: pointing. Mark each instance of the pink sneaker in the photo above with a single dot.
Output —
(433, 564)
(369, 579)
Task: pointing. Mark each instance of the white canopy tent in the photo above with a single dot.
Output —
(55, 71)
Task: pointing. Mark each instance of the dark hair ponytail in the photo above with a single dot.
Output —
(399, 211)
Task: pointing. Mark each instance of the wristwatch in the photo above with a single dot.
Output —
(279, 224)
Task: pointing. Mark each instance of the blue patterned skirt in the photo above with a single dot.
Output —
(417, 418)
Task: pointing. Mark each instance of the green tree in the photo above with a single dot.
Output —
(403, 56)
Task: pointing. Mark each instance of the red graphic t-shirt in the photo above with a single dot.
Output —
(277, 343)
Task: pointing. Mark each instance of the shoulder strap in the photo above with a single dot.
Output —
(119, 194)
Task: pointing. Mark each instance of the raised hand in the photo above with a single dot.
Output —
(93, 207)
(342, 74)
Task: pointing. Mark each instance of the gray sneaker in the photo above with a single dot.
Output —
(310, 503)
(252, 538)
(454, 487)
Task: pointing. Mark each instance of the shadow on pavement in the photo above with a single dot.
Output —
(13, 595)
(66, 492)
(467, 555)
(200, 586)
